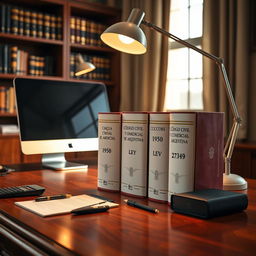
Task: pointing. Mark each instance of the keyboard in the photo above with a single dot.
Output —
(19, 191)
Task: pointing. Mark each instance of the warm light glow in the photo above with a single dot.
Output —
(125, 39)
(82, 72)
(113, 40)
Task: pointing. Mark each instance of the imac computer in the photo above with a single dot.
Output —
(55, 117)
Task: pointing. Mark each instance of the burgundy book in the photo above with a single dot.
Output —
(209, 161)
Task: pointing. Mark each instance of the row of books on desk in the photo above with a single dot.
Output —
(26, 22)
(157, 154)
(14, 60)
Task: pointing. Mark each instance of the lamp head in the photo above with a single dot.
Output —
(83, 67)
(127, 36)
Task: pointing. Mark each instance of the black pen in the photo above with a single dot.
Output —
(141, 206)
(55, 197)
(90, 209)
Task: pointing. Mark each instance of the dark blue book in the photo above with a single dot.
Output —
(208, 203)
(1, 57)
(8, 19)
(2, 19)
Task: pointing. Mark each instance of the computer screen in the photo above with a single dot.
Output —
(58, 116)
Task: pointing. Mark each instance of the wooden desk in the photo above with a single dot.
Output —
(122, 231)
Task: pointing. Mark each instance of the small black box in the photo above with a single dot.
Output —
(208, 203)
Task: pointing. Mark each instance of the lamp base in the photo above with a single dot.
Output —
(234, 182)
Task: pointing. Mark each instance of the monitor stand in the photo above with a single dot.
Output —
(58, 162)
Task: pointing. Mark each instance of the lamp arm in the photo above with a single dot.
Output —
(229, 147)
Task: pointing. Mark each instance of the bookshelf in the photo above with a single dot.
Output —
(41, 47)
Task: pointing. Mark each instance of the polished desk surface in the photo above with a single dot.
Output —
(126, 230)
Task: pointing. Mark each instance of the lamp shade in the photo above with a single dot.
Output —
(127, 36)
(83, 67)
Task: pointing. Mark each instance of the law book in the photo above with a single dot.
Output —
(109, 153)
(59, 27)
(158, 165)
(209, 161)
(33, 26)
(181, 153)
(72, 64)
(3, 90)
(32, 65)
(78, 30)
(53, 25)
(46, 22)
(134, 153)
(2, 18)
(195, 151)
(21, 18)
(8, 19)
(14, 20)
(27, 22)
(14, 51)
(40, 31)
(72, 30)
(83, 31)
(5, 58)
(1, 58)
(11, 107)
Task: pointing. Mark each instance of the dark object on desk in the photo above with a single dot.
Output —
(90, 209)
(141, 206)
(54, 197)
(19, 191)
(5, 170)
(208, 203)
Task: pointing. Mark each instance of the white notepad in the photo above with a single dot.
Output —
(62, 206)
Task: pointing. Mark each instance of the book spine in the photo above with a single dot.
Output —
(27, 22)
(83, 31)
(72, 65)
(47, 20)
(14, 51)
(40, 31)
(34, 24)
(78, 30)
(8, 19)
(209, 163)
(181, 153)
(21, 21)
(53, 25)
(14, 20)
(109, 154)
(5, 58)
(32, 65)
(1, 58)
(2, 98)
(158, 156)
(3, 18)
(134, 154)
(72, 30)
(11, 100)
(59, 27)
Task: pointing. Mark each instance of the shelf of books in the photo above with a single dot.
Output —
(41, 39)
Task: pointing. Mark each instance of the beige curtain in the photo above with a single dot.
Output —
(143, 77)
(226, 34)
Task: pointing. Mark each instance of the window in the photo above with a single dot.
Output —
(184, 76)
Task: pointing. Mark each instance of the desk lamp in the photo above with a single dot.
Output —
(129, 38)
(83, 67)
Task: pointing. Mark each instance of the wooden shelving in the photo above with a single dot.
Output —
(61, 51)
